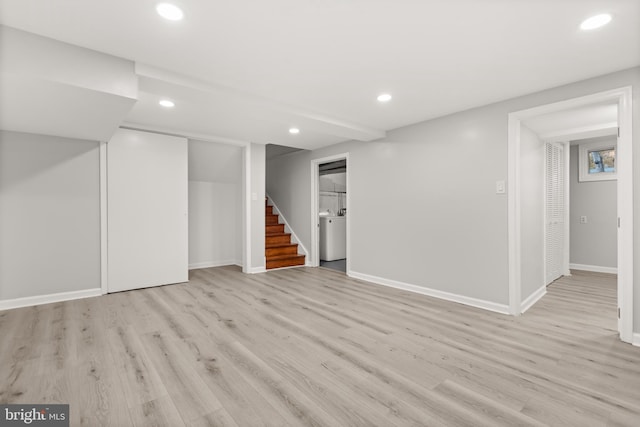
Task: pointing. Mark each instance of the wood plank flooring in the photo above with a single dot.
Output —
(313, 347)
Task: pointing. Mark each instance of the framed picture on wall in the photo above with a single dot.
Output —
(597, 160)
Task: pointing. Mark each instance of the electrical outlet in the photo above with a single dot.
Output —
(500, 187)
(583, 219)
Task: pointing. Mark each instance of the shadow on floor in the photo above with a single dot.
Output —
(339, 265)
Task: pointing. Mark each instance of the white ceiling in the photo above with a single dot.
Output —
(588, 121)
(250, 69)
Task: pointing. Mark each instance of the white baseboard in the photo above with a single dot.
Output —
(532, 299)
(594, 268)
(48, 299)
(636, 340)
(474, 302)
(257, 270)
(209, 264)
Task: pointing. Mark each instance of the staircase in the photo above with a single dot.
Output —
(279, 250)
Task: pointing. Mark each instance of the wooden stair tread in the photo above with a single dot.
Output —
(285, 261)
(274, 228)
(279, 245)
(274, 250)
(279, 257)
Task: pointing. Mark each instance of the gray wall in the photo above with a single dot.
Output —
(215, 204)
(446, 229)
(532, 157)
(423, 206)
(288, 182)
(49, 215)
(594, 243)
(213, 224)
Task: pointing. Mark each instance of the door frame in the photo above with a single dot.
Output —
(623, 96)
(315, 203)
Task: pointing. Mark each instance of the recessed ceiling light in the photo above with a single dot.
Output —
(169, 11)
(167, 103)
(596, 21)
(385, 97)
(294, 131)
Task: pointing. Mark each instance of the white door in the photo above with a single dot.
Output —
(147, 223)
(554, 211)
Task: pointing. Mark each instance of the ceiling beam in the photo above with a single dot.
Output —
(251, 105)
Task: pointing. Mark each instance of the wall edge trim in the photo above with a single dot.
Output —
(9, 304)
(593, 268)
(447, 296)
(532, 299)
(210, 264)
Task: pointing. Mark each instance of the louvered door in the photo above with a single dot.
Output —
(554, 211)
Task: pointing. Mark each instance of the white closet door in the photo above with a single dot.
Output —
(147, 200)
(554, 211)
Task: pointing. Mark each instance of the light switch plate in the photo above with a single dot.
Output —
(500, 187)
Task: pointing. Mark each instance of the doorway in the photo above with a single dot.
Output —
(330, 220)
(593, 205)
(622, 98)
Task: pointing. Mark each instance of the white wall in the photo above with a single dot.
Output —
(53, 88)
(288, 182)
(594, 243)
(49, 215)
(257, 192)
(532, 157)
(215, 208)
(333, 182)
(213, 224)
(445, 228)
(332, 195)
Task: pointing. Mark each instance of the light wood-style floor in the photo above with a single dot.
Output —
(313, 347)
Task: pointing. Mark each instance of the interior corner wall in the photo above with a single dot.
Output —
(257, 193)
(49, 215)
(423, 205)
(288, 184)
(239, 222)
(215, 204)
(213, 230)
(423, 208)
(595, 243)
(532, 229)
